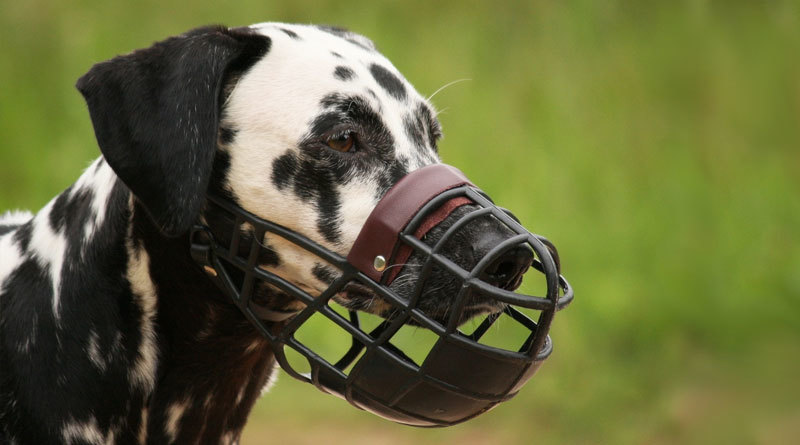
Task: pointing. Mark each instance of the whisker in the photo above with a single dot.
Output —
(445, 86)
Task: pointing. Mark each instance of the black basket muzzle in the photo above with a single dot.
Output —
(460, 377)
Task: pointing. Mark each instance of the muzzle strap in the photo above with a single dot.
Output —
(379, 237)
(201, 243)
(404, 250)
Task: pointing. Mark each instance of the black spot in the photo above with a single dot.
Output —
(390, 176)
(344, 73)
(324, 273)
(425, 115)
(217, 184)
(329, 221)
(361, 44)
(325, 122)
(283, 170)
(290, 33)
(422, 128)
(59, 209)
(226, 135)
(388, 81)
(6, 228)
(414, 130)
(72, 212)
(23, 235)
(313, 177)
(335, 54)
(267, 256)
(357, 40)
(338, 31)
(315, 181)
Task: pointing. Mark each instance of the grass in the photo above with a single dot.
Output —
(656, 144)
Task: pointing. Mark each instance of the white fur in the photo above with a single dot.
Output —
(87, 431)
(15, 217)
(93, 350)
(143, 427)
(101, 181)
(10, 258)
(272, 379)
(272, 107)
(49, 248)
(142, 373)
(174, 414)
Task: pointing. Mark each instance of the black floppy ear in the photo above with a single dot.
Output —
(155, 113)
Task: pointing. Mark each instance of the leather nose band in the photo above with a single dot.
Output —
(404, 251)
(380, 233)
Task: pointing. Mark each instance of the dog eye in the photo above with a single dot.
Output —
(343, 142)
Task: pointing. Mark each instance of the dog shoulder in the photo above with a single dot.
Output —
(69, 313)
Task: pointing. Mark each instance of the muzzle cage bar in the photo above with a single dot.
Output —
(459, 378)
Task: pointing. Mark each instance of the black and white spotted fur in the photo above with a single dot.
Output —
(109, 333)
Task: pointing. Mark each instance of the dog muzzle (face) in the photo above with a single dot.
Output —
(460, 377)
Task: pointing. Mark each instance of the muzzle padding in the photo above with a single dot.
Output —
(380, 234)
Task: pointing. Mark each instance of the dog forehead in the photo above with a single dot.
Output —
(305, 65)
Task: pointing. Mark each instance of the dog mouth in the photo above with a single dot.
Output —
(358, 297)
(432, 291)
(436, 300)
(435, 304)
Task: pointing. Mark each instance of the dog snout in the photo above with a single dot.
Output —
(506, 271)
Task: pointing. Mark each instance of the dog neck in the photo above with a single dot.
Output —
(213, 364)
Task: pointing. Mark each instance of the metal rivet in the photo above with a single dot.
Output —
(210, 270)
(379, 263)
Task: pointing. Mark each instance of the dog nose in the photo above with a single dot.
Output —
(507, 270)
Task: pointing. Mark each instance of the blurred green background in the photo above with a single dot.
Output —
(656, 143)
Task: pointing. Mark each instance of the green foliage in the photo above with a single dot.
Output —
(656, 143)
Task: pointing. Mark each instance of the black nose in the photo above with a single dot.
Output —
(506, 271)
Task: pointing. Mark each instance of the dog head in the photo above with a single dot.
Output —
(304, 126)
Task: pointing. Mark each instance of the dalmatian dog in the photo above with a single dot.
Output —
(109, 332)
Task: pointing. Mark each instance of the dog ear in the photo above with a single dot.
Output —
(155, 114)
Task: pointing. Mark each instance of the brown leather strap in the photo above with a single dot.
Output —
(404, 251)
(396, 209)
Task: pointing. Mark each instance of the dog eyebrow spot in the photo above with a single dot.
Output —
(355, 110)
(324, 122)
(344, 73)
(388, 81)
